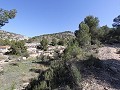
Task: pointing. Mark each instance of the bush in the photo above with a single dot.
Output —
(96, 41)
(72, 52)
(26, 55)
(61, 42)
(75, 74)
(43, 85)
(17, 48)
(54, 42)
(44, 44)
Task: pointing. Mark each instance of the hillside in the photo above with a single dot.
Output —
(107, 76)
(67, 35)
(11, 36)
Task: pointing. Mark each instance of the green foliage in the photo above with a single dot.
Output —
(83, 35)
(12, 86)
(61, 77)
(5, 15)
(61, 42)
(17, 48)
(48, 74)
(54, 42)
(5, 42)
(44, 44)
(72, 51)
(102, 33)
(89, 32)
(91, 21)
(75, 74)
(116, 21)
(43, 85)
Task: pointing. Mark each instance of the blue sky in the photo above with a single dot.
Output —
(37, 17)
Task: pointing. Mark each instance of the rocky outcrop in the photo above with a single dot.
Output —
(11, 36)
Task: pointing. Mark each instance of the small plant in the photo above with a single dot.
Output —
(12, 86)
(72, 52)
(54, 42)
(75, 74)
(61, 42)
(44, 44)
(43, 85)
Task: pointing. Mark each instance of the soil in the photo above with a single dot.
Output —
(106, 77)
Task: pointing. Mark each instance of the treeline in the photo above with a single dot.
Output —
(67, 35)
(64, 74)
(90, 33)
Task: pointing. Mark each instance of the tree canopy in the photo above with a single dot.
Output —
(5, 15)
(82, 35)
(91, 21)
(116, 22)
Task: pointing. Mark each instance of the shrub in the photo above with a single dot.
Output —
(75, 74)
(54, 42)
(26, 55)
(44, 44)
(17, 48)
(43, 85)
(61, 42)
(72, 52)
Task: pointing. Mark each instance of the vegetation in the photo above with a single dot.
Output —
(83, 35)
(72, 52)
(63, 70)
(5, 42)
(67, 36)
(54, 42)
(61, 42)
(5, 15)
(43, 44)
(17, 48)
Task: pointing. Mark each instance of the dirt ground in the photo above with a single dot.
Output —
(17, 74)
(108, 76)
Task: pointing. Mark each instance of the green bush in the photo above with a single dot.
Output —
(54, 42)
(43, 85)
(61, 42)
(17, 48)
(43, 44)
(75, 74)
(72, 51)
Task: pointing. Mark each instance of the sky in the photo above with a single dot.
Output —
(38, 17)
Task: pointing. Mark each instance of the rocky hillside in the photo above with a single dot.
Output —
(107, 76)
(67, 35)
(11, 36)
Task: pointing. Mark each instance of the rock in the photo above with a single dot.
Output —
(25, 85)
(1, 69)
(24, 58)
(6, 60)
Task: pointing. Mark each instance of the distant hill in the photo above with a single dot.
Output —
(11, 36)
(61, 35)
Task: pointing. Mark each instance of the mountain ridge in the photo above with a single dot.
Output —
(66, 35)
(12, 36)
